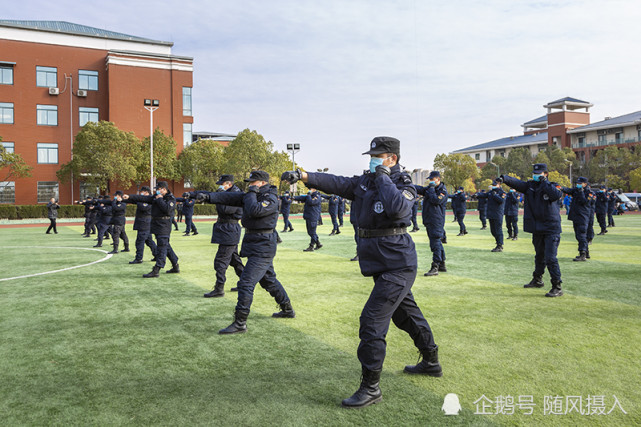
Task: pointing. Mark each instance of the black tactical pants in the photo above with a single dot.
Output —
(225, 256)
(496, 228)
(119, 233)
(144, 237)
(259, 270)
(164, 251)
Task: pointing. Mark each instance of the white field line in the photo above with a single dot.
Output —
(55, 271)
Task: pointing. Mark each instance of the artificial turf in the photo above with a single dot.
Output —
(100, 345)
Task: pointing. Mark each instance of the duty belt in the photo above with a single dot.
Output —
(380, 232)
(163, 217)
(264, 231)
(227, 221)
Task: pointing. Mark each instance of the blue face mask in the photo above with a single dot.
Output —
(536, 177)
(579, 186)
(158, 192)
(373, 162)
(511, 191)
(221, 187)
(432, 183)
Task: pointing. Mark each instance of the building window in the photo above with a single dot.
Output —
(88, 115)
(581, 141)
(7, 192)
(88, 190)
(601, 139)
(48, 153)
(47, 190)
(6, 112)
(47, 115)
(9, 146)
(488, 156)
(186, 101)
(639, 135)
(6, 75)
(502, 153)
(187, 138)
(618, 137)
(46, 76)
(87, 80)
(477, 156)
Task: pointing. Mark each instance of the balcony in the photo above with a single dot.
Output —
(605, 143)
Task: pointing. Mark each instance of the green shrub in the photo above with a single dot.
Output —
(31, 211)
(205, 210)
(8, 212)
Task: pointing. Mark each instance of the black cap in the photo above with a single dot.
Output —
(185, 194)
(225, 178)
(582, 180)
(460, 188)
(434, 174)
(602, 187)
(162, 184)
(258, 176)
(384, 144)
(494, 182)
(539, 168)
(145, 188)
(119, 193)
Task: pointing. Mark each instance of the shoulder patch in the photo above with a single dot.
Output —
(440, 196)
(408, 195)
(363, 187)
(171, 203)
(265, 203)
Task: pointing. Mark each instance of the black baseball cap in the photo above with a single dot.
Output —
(434, 174)
(145, 188)
(258, 176)
(225, 178)
(162, 184)
(384, 144)
(582, 180)
(539, 168)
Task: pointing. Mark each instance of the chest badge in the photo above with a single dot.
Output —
(378, 207)
(363, 187)
(546, 197)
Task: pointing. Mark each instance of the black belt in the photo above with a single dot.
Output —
(163, 217)
(381, 232)
(267, 231)
(144, 216)
(227, 221)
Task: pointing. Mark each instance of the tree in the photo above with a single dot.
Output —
(611, 161)
(202, 163)
(13, 165)
(635, 179)
(456, 168)
(103, 153)
(616, 182)
(519, 162)
(165, 163)
(559, 178)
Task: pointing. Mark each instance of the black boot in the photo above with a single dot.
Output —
(580, 257)
(556, 290)
(318, 245)
(291, 228)
(332, 233)
(536, 282)
(136, 261)
(498, 248)
(338, 231)
(368, 393)
(433, 271)
(279, 240)
(428, 366)
(174, 269)
(284, 230)
(515, 237)
(126, 248)
(153, 273)
(239, 325)
(286, 311)
(113, 251)
(310, 248)
(219, 291)
(441, 267)
(587, 254)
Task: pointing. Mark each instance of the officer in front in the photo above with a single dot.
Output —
(512, 214)
(311, 214)
(226, 233)
(612, 206)
(188, 212)
(434, 204)
(163, 204)
(142, 224)
(481, 206)
(459, 199)
(495, 209)
(601, 209)
(542, 218)
(118, 221)
(104, 205)
(580, 215)
(260, 217)
(383, 199)
(332, 208)
(285, 206)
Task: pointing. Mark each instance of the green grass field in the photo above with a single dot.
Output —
(99, 345)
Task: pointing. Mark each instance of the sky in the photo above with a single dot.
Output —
(332, 74)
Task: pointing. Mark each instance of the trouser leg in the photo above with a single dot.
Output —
(270, 283)
(581, 235)
(255, 269)
(460, 217)
(483, 217)
(311, 231)
(163, 249)
(221, 262)
(538, 241)
(551, 242)
(436, 245)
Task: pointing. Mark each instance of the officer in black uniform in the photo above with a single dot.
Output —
(52, 213)
(580, 215)
(285, 206)
(226, 233)
(332, 208)
(311, 214)
(414, 215)
(481, 197)
(601, 209)
(341, 211)
(260, 217)
(162, 205)
(459, 199)
(542, 218)
(188, 212)
(383, 199)
(612, 206)
(142, 224)
(118, 221)
(592, 203)
(495, 208)
(104, 205)
(512, 214)
(87, 202)
(353, 220)
(434, 204)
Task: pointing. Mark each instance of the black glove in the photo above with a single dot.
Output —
(253, 188)
(500, 179)
(291, 176)
(382, 170)
(432, 184)
(201, 197)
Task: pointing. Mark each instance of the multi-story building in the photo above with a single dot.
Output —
(419, 176)
(56, 76)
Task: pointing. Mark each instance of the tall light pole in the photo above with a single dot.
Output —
(498, 170)
(571, 164)
(151, 105)
(294, 148)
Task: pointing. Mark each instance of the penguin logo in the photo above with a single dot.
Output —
(451, 405)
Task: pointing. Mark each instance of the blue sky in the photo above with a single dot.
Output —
(331, 75)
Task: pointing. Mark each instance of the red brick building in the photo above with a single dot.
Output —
(56, 76)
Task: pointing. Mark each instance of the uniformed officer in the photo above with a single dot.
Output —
(332, 208)
(580, 215)
(93, 216)
(414, 216)
(118, 221)
(612, 206)
(542, 218)
(495, 209)
(434, 204)
(142, 224)
(459, 199)
(285, 206)
(104, 224)
(481, 197)
(162, 205)
(383, 199)
(311, 213)
(341, 211)
(226, 233)
(353, 220)
(52, 213)
(592, 203)
(601, 209)
(512, 214)
(188, 212)
(87, 202)
(260, 217)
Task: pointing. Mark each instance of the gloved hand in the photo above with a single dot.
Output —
(201, 197)
(382, 170)
(291, 176)
(252, 189)
(500, 179)
(432, 184)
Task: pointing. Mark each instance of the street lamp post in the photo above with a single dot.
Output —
(151, 105)
(498, 170)
(294, 148)
(571, 164)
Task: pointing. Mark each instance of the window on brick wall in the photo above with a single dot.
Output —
(7, 192)
(46, 76)
(47, 115)
(47, 190)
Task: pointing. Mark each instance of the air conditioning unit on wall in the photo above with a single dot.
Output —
(82, 93)
(54, 91)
